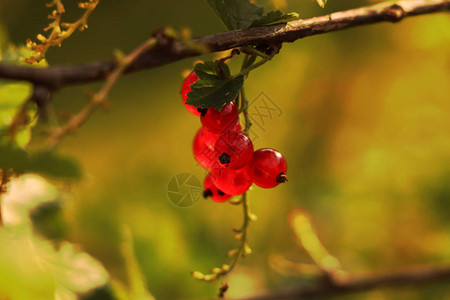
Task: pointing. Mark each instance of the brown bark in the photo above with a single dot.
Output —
(169, 51)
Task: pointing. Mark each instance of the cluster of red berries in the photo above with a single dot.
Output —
(220, 147)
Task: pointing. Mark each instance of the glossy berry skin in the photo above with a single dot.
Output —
(220, 121)
(233, 182)
(210, 190)
(267, 168)
(233, 150)
(236, 127)
(203, 148)
(185, 89)
(211, 138)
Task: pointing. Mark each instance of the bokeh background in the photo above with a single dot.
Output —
(364, 125)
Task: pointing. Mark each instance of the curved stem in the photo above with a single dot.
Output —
(248, 122)
(241, 250)
(247, 70)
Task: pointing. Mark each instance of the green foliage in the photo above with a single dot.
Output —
(34, 268)
(101, 293)
(236, 14)
(215, 87)
(240, 14)
(12, 96)
(47, 163)
(51, 164)
(48, 221)
(275, 17)
(14, 158)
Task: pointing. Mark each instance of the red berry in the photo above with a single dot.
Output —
(220, 121)
(210, 190)
(203, 148)
(267, 168)
(236, 127)
(233, 182)
(209, 138)
(185, 89)
(233, 149)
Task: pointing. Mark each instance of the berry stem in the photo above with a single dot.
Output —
(256, 52)
(244, 231)
(246, 64)
(247, 121)
(250, 68)
(222, 60)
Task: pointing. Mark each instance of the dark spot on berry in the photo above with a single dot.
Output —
(207, 193)
(220, 193)
(224, 159)
(202, 111)
(281, 178)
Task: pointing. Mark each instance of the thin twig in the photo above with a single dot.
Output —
(57, 36)
(58, 76)
(99, 98)
(243, 247)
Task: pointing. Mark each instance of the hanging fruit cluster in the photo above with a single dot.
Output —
(221, 148)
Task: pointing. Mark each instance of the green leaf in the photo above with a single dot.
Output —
(214, 89)
(49, 163)
(46, 163)
(322, 3)
(275, 17)
(236, 14)
(13, 95)
(14, 158)
(48, 221)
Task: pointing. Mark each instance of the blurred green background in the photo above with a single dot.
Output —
(364, 127)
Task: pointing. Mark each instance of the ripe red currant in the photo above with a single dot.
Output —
(233, 182)
(203, 148)
(236, 127)
(267, 168)
(210, 190)
(219, 121)
(233, 149)
(185, 89)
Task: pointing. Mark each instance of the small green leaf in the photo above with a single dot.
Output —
(214, 89)
(49, 163)
(322, 3)
(12, 96)
(14, 158)
(275, 17)
(236, 14)
(48, 221)
(210, 70)
(44, 163)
